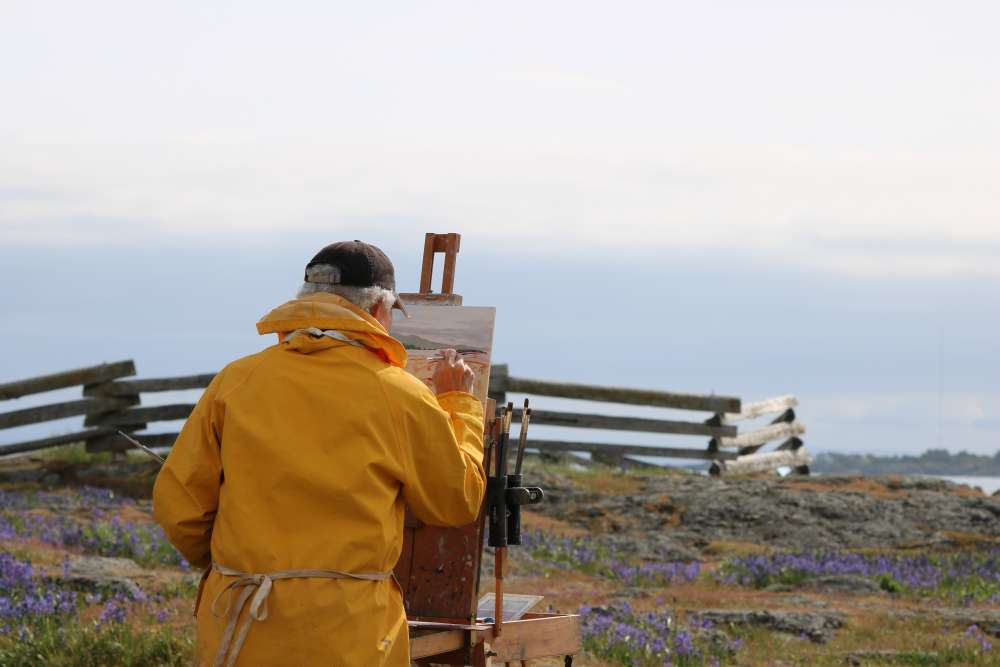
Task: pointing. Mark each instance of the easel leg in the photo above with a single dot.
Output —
(480, 657)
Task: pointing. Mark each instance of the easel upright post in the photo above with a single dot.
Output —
(449, 244)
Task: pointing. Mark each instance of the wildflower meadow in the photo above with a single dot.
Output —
(634, 611)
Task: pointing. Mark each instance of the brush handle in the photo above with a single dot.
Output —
(523, 439)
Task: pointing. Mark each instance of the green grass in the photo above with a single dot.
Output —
(56, 644)
(76, 453)
(886, 641)
(182, 588)
(73, 453)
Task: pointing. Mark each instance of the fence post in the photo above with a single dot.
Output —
(718, 419)
(498, 383)
(608, 458)
(113, 443)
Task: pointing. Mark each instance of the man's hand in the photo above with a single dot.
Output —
(452, 373)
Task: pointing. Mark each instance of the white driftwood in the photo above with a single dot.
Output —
(767, 462)
(759, 408)
(764, 435)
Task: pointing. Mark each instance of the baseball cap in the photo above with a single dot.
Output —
(361, 265)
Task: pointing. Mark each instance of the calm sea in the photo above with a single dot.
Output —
(989, 485)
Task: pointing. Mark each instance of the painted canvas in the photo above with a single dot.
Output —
(467, 329)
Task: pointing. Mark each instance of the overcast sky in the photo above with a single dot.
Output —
(746, 198)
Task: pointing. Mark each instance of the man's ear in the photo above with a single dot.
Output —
(382, 312)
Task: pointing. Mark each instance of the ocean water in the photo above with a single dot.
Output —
(989, 485)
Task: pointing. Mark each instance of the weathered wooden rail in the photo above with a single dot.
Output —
(502, 383)
(85, 377)
(791, 453)
(112, 400)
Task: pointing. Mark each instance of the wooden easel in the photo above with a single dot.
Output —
(449, 245)
(450, 633)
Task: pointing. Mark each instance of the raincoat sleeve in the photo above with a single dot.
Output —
(441, 447)
(186, 493)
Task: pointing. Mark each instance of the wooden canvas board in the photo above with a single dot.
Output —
(466, 329)
(439, 567)
(515, 605)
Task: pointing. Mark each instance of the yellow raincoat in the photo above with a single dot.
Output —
(301, 457)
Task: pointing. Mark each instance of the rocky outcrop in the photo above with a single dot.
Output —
(98, 574)
(685, 513)
(816, 626)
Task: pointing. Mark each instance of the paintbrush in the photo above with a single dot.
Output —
(143, 447)
(440, 357)
(506, 436)
(501, 446)
(523, 439)
(489, 444)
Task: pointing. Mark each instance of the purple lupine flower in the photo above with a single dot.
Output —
(683, 643)
(28, 594)
(629, 636)
(114, 612)
(108, 537)
(976, 633)
(941, 574)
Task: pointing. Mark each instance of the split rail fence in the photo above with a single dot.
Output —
(112, 401)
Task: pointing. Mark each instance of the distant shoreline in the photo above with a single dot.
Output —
(933, 462)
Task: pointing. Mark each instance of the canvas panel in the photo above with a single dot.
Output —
(467, 329)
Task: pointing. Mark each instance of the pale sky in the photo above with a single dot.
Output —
(751, 170)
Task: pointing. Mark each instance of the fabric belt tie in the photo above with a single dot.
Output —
(259, 586)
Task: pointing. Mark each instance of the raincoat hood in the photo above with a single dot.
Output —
(329, 311)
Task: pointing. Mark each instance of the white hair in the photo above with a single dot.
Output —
(326, 278)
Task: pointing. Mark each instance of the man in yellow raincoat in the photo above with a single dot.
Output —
(289, 480)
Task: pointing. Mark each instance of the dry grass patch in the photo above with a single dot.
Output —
(532, 520)
(970, 540)
(607, 482)
(911, 642)
(869, 486)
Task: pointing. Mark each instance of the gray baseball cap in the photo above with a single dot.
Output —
(361, 265)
